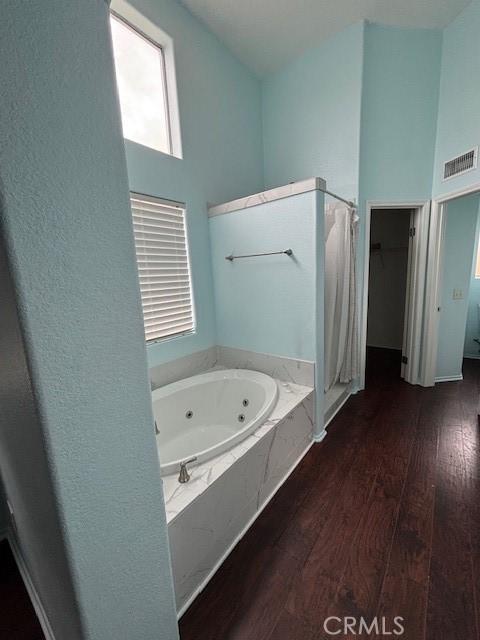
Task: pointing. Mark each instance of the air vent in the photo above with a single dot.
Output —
(461, 164)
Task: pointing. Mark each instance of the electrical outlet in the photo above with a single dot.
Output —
(457, 294)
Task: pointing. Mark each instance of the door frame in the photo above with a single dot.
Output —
(416, 276)
(434, 281)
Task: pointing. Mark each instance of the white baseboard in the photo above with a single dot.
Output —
(456, 378)
(222, 559)
(30, 587)
(470, 356)
(319, 437)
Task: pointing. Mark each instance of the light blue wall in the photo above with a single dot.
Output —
(311, 115)
(26, 473)
(267, 304)
(399, 110)
(457, 265)
(273, 304)
(221, 127)
(472, 349)
(459, 106)
(401, 75)
(77, 378)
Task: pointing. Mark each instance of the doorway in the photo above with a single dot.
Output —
(471, 346)
(451, 313)
(387, 315)
(394, 284)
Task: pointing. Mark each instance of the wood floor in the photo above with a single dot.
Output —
(381, 519)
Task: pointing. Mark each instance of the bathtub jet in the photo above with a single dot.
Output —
(203, 416)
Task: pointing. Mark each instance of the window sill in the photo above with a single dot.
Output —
(171, 338)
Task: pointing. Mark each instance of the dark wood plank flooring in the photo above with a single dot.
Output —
(381, 519)
(18, 620)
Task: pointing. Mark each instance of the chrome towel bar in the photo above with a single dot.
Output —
(287, 252)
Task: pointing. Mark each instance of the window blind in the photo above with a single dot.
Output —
(163, 267)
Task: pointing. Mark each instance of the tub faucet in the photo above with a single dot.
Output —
(184, 475)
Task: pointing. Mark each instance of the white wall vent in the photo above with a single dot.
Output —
(461, 164)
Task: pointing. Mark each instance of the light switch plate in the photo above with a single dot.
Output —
(457, 294)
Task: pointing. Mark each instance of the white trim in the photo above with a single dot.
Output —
(452, 195)
(469, 356)
(319, 300)
(433, 294)
(418, 259)
(152, 31)
(406, 367)
(433, 279)
(30, 587)
(449, 378)
(417, 276)
(222, 559)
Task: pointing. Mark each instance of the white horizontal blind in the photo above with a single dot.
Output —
(163, 267)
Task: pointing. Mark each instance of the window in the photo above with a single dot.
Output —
(163, 267)
(147, 93)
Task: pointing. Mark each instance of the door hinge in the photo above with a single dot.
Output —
(411, 232)
(404, 360)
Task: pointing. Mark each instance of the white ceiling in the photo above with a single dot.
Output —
(266, 34)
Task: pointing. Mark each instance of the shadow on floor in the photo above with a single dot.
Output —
(18, 620)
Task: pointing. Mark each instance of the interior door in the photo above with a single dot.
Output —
(432, 295)
(408, 321)
(415, 292)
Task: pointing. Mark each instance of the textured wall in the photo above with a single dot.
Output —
(311, 115)
(267, 304)
(27, 476)
(66, 219)
(399, 110)
(273, 304)
(459, 106)
(220, 120)
(459, 243)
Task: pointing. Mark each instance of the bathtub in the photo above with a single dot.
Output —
(205, 415)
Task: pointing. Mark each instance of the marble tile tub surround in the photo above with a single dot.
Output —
(178, 496)
(208, 515)
(181, 368)
(300, 372)
(285, 191)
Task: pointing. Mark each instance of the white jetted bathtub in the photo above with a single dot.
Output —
(203, 416)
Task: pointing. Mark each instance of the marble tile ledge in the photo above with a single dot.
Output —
(292, 370)
(178, 496)
(277, 193)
